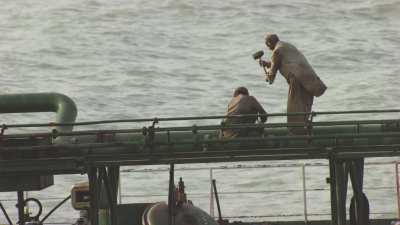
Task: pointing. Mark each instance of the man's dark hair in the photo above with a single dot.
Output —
(271, 40)
(240, 91)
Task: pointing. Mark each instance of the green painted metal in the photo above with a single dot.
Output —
(62, 105)
(161, 119)
(320, 136)
(91, 151)
(197, 144)
(66, 112)
(341, 142)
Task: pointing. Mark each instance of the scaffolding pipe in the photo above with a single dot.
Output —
(397, 189)
(303, 176)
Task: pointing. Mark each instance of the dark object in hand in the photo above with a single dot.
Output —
(258, 55)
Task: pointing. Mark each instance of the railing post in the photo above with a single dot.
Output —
(211, 194)
(332, 183)
(94, 189)
(27, 209)
(397, 188)
(303, 167)
(20, 205)
(341, 179)
(119, 190)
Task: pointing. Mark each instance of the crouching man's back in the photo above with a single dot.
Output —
(242, 103)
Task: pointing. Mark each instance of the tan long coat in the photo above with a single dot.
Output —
(293, 62)
(303, 82)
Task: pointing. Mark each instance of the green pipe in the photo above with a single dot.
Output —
(155, 119)
(62, 105)
(183, 139)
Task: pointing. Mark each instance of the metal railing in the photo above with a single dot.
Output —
(306, 213)
(304, 190)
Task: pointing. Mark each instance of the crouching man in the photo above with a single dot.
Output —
(242, 103)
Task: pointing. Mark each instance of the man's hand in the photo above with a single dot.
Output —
(264, 63)
(268, 77)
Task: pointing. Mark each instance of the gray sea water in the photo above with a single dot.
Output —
(137, 59)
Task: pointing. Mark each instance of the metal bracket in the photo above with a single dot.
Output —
(309, 125)
(54, 133)
(149, 133)
(3, 128)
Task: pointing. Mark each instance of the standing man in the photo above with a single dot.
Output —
(303, 82)
(242, 104)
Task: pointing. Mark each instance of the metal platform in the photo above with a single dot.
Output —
(99, 153)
